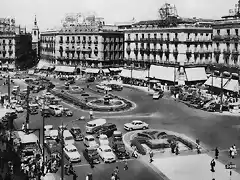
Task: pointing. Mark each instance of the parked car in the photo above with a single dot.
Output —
(89, 141)
(33, 111)
(106, 154)
(67, 112)
(12, 115)
(45, 112)
(120, 150)
(135, 125)
(157, 95)
(103, 140)
(19, 108)
(107, 129)
(91, 155)
(116, 87)
(63, 78)
(72, 153)
(76, 133)
(90, 79)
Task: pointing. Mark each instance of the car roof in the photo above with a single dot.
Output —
(105, 147)
(108, 124)
(89, 136)
(70, 146)
(136, 121)
(54, 131)
(76, 127)
(102, 135)
(48, 126)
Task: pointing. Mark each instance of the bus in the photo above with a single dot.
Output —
(27, 145)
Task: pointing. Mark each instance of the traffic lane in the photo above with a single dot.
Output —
(136, 170)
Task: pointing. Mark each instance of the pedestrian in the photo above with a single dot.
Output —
(91, 163)
(112, 177)
(212, 164)
(216, 153)
(125, 165)
(198, 142)
(151, 156)
(235, 149)
(91, 113)
(116, 171)
(177, 150)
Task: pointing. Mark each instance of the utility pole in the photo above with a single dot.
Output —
(43, 133)
(62, 152)
(9, 91)
(131, 72)
(149, 65)
(221, 98)
(212, 84)
(28, 110)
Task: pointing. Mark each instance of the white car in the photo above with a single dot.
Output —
(72, 153)
(103, 140)
(106, 88)
(18, 108)
(89, 141)
(47, 129)
(135, 125)
(156, 95)
(60, 107)
(53, 134)
(99, 86)
(106, 154)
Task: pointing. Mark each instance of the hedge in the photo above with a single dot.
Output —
(139, 146)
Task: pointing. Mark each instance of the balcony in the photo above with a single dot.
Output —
(78, 41)
(96, 42)
(61, 42)
(10, 43)
(217, 51)
(67, 42)
(78, 49)
(67, 49)
(84, 41)
(128, 40)
(141, 51)
(226, 52)
(147, 51)
(72, 41)
(217, 37)
(10, 51)
(189, 40)
(154, 51)
(89, 41)
(128, 49)
(86, 50)
(136, 39)
(4, 44)
(95, 51)
(176, 40)
(175, 52)
(72, 49)
(121, 40)
(235, 52)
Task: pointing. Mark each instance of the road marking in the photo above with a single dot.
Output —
(82, 165)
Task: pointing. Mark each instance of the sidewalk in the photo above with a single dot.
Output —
(195, 167)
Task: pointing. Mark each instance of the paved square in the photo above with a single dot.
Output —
(195, 167)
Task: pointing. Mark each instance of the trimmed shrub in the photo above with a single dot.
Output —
(138, 145)
(156, 144)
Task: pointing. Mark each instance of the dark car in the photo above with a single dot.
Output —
(91, 155)
(107, 129)
(12, 115)
(120, 151)
(67, 112)
(52, 146)
(116, 87)
(62, 78)
(76, 133)
(33, 111)
(90, 79)
(72, 81)
(45, 113)
(36, 89)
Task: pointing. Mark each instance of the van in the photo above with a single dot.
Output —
(55, 111)
(117, 136)
(67, 137)
(95, 125)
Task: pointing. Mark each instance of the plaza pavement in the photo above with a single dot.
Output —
(195, 167)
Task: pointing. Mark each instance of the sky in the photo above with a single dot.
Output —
(49, 13)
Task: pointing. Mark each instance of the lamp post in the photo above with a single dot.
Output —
(62, 152)
(43, 134)
(131, 71)
(149, 65)
(221, 96)
(9, 93)
(27, 101)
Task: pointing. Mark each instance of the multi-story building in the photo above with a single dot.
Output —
(84, 41)
(11, 39)
(171, 39)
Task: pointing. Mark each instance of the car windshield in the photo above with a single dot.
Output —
(103, 138)
(72, 150)
(91, 125)
(91, 139)
(107, 150)
(57, 109)
(75, 87)
(77, 130)
(92, 151)
(69, 138)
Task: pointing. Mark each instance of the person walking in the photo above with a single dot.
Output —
(113, 177)
(212, 164)
(91, 114)
(125, 165)
(216, 153)
(151, 156)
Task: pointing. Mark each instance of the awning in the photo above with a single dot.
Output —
(31, 72)
(105, 71)
(135, 74)
(115, 69)
(11, 66)
(66, 69)
(232, 85)
(196, 74)
(228, 84)
(91, 71)
(162, 73)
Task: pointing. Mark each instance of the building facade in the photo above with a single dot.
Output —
(83, 43)
(11, 38)
(172, 40)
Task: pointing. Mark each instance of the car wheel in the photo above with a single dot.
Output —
(144, 127)
(131, 129)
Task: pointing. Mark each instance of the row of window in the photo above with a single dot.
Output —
(155, 35)
(4, 42)
(175, 45)
(228, 32)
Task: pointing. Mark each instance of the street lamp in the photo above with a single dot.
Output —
(131, 71)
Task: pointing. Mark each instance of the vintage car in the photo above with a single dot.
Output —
(135, 125)
(106, 154)
(120, 151)
(76, 133)
(72, 153)
(91, 155)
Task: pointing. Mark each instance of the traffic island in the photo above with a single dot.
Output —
(90, 100)
(159, 141)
